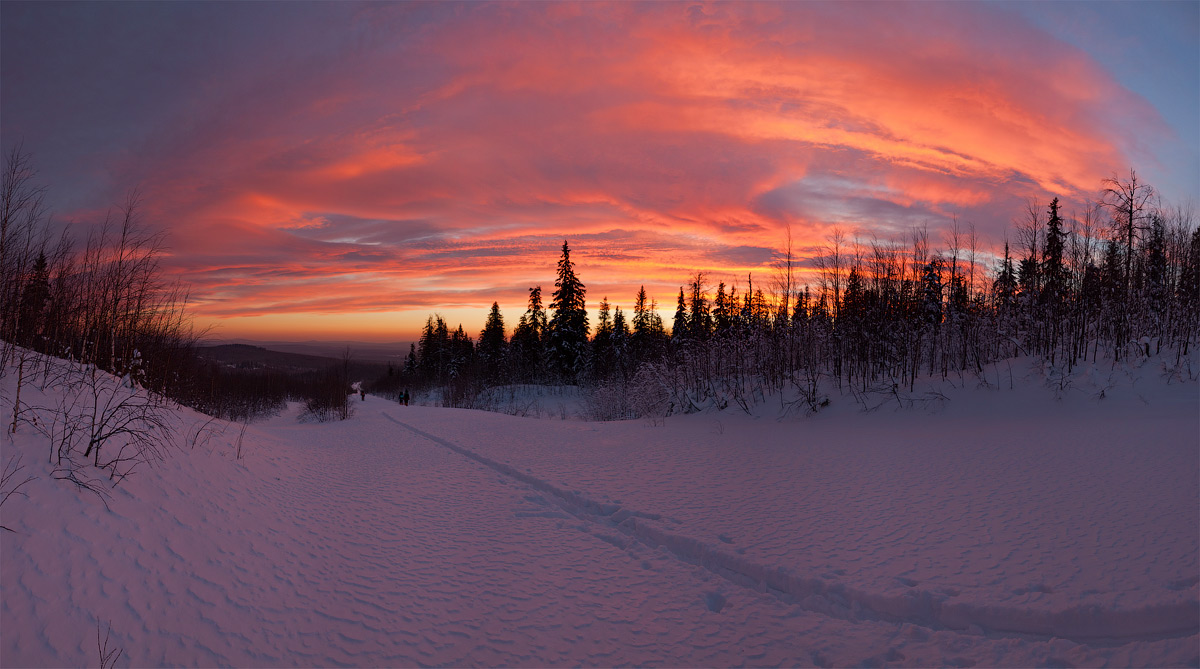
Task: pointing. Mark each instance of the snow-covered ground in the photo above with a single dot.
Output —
(997, 528)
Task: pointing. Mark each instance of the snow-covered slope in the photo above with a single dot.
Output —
(1004, 528)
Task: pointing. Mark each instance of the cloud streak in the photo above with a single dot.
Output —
(419, 157)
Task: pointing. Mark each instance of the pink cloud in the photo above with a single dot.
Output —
(446, 167)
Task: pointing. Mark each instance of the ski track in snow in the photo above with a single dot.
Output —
(430, 537)
(1083, 623)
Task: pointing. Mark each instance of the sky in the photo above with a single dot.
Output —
(343, 170)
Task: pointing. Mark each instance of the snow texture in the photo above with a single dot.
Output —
(1006, 528)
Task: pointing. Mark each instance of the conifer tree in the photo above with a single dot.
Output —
(679, 328)
(602, 342)
(529, 339)
(604, 320)
(620, 328)
(1005, 286)
(648, 333)
(34, 301)
(434, 351)
(722, 310)
(931, 292)
(1054, 272)
(568, 327)
(699, 318)
(620, 344)
(461, 356)
(493, 349)
(641, 313)
(410, 361)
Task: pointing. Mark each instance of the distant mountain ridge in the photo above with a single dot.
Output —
(254, 357)
(382, 352)
(246, 355)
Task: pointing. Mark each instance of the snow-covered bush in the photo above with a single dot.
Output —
(644, 396)
(108, 422)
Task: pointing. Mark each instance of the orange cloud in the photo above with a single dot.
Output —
(444, 168)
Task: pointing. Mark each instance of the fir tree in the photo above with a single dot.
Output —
(34, 301)
(568, 328)
(641, 313)
(699, 319)
(528, 344)
(931, 293)
(1155, 272)
(493, 348)
(648, 333)
(1054, 271)
(604, 320)
(679, 328)
(602, 342)
(461, 356)
(853, 309)
(722, 310)
(433, 351)
(410, 361)
(1005, 286)
(620, 344)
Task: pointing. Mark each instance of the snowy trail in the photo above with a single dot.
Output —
(420, 536)
(1083, 623)
(370, 550)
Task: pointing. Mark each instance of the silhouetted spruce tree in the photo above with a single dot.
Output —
(699, 319)
(1054, 270)
(723, 309)
(759, 308)
(568, 327)
(34, 300)
(679, 327)
(648, 336)
(1155, 272)
(1112, 287)
(528, 346)
(433, 351)
(801, 312)
(621, 365)
(641, 313)
(493, 348)
(1005, 287)
(931, 306)
(602, 342)
(410, 361)
(462, 355)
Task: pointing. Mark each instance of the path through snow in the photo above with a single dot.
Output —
(422, 536)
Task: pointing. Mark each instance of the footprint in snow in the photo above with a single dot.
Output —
(715, 601)
(1183, 583)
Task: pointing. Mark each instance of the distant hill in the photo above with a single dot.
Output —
(384, 352)
(256, 357)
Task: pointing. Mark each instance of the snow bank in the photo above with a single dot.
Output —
(1004, 529)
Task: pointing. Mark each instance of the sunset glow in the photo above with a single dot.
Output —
(341, 171)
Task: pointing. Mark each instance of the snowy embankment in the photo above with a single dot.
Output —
(1000, 528)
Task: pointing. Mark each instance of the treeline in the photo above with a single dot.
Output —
(104, 303)
(1121, 278)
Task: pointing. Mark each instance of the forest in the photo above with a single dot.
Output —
(99, 321)
(1120, 279)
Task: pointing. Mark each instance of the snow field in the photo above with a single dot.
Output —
(1089, 539)
(1008, 529)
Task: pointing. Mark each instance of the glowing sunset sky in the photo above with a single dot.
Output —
(340, 170)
